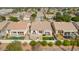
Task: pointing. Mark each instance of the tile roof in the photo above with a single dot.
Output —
(17, 25)
(41, 25)
(65, 26)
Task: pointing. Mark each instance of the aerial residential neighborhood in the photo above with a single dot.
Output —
(39, 29)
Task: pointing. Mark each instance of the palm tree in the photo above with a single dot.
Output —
(75, 39)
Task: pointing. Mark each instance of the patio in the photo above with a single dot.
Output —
(59, 37)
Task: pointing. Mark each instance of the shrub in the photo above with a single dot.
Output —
(43, 43)
(77, 43)
(14, 46)
(50, 44)
(33, 43)
(14, 19)
(33, 15)
(2, 18)
(47, 38)
(58, 43)
(66, 42)
(76, 19)
(73, 42)
(44, 34)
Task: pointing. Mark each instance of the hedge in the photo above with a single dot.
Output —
(43, 43)
(58, 43)
(66, 43)
(47, 38)
(50, 44)
(33, 43)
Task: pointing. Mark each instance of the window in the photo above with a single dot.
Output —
(47, 33)
(21, 33)
(67, 33)
(60, 31)
(14, 32)
(34, 32)
(8, 30)
(40, 31)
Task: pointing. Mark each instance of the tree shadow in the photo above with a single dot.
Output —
(62, 48)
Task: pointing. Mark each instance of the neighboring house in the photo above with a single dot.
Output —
(19, 15)
(39, 28)
(77, 14)
(5, 11)
(49, 16)
(66, 29)
(40, 16)
(17, 29)
(3, 26)
(27, 16)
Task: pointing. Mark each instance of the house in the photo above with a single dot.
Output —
(39, 28)
(3, 26)
(5, 11)
(40, 16)
(66, 29)
(49, 16)
(19, 15)
(27, 16)
(18, 29)
(76, 24)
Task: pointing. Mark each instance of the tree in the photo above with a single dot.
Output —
(14, 19)
(50, 44)
(58, 16)
(14, 46)
(74, 42)
(2, 18)
(33, 16)
(33, 43)
(76, 19)
(58, 43)
(64, 17)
